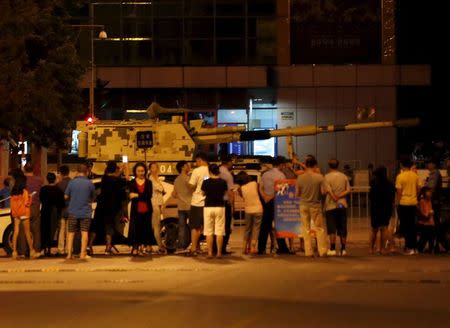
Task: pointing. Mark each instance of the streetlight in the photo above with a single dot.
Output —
(102, 36)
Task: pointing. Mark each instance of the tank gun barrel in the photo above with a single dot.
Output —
(299, 131)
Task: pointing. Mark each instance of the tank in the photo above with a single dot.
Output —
(172, 141)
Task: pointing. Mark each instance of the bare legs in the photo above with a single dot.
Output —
(29, 238)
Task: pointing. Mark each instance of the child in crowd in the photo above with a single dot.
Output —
(425, 223)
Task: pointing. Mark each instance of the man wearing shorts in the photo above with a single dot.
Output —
(199, 174)
(214, 210)
(337, 187)
(80, 192)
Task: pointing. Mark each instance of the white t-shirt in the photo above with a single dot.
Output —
(252, 204)
(199, 174)
(337, 182)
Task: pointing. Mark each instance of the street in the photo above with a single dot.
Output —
(175, 291)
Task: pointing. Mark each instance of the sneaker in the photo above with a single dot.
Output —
(34, 254)
(331, 252)
(85, 257)
(343, 252)
(409, 252)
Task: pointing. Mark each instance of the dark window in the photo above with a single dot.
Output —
(107, 53)
(262, 52)
(108, 15)
(199, 52)
(168, 8)
(137, 28)
(199, 28)
(134, 10)
(230, 8)
(168, 52)
(230, 52)
(262, 7)
(199, 7)
(168, 28)
(230, 27)
(137, 52)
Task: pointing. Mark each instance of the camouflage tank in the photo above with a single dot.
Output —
(171, 141)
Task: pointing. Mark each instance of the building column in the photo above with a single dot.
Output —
(4, 159)
(39, 159)
(388, 47)
(283, 33)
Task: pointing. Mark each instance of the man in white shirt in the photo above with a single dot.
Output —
(199, 174)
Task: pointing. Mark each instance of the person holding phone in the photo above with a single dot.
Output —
(157, 204)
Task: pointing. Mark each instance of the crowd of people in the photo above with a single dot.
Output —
(57, 210)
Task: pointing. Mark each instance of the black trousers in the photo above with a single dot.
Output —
(427, 235)
(407, 217)
(266, 228)
(440, 228)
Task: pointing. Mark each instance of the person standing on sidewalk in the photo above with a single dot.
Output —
(80, 192)
(337, 187)
(434, 183)
(407, 185)
(52, 199)
(63, 226)
(199, 174)
(311, 187)
(225, 174)
(34, 185)
(183, 194)
(214, 189)
(267, 190)
(157, 204)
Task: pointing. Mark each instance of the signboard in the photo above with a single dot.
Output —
(287, 209)
(287, 116)
(144, 139)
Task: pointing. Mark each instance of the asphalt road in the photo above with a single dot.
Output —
(175, 291)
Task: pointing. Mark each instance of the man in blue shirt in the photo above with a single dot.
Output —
(80, 192)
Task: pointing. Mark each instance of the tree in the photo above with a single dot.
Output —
(40, 95)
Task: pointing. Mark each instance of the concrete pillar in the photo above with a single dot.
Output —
(39, 159)
(283, 33)
(388, 46)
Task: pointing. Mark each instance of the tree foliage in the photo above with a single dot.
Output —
(40, 95)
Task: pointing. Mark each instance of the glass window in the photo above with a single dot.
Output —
(230, 27)
(108, 15)
(137, 9)
(107, 52)
(199, 52)
(168, 52)
(230, 8)
(199, 28)
(265, 118)
(262, 7)
(262, 52)
(261, 28)
(199, 7)
(137, 52)
(137, 28)
(168, 28)
(168, 8)
(232, 116)
(230, 52)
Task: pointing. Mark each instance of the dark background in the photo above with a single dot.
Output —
(420, 27)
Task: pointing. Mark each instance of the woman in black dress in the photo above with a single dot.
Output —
(52, 199)
(140, 232)
(381, 196)
(110, 204)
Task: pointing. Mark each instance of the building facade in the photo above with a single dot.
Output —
(264, 64)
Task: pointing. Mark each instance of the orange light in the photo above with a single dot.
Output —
(90, 120)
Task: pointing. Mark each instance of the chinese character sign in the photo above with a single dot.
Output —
(287, 209)
(144, 139)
